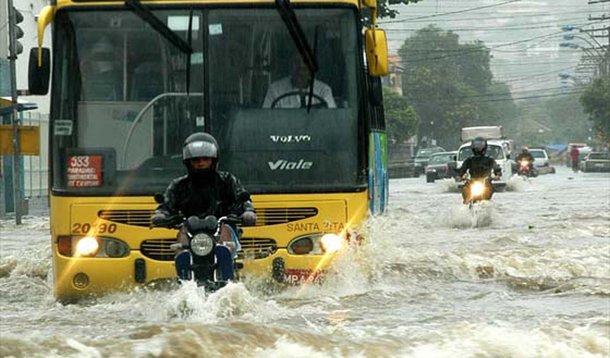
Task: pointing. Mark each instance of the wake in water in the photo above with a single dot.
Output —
(448, 186)
(518, 183)
(480, 214)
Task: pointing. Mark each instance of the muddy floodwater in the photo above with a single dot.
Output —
(525, 275)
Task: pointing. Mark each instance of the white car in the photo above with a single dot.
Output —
(496, 149)
(541, 158)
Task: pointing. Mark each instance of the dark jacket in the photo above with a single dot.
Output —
(223, 195)
(480, 167)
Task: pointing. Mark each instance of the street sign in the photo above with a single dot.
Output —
(29, 140)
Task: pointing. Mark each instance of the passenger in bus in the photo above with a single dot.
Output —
(204, 190)
(293, 91)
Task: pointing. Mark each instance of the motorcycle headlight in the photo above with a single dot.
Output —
(477, 189)
(202, 244)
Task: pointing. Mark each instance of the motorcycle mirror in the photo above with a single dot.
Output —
(159, 198)
(243, 196)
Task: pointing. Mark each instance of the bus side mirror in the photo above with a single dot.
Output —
(38, 76)
(376, 52)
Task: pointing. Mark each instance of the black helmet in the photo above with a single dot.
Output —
(200, 145)
(479, 146)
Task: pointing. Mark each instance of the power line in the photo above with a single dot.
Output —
(459, 11)
(479, 48)
(539, 25)
(511, 16)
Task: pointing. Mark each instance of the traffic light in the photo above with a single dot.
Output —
(17, 32)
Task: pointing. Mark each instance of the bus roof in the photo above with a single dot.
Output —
(85, 3)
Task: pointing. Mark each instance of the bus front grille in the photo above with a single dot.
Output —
(158, 249)
(128, 217)
(265, 216)
(252, 248)
(274, 216)
(256, 248)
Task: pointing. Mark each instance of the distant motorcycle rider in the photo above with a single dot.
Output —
(479, 166)
(525, 155)
(204, 190)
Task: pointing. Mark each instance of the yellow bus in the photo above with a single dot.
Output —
(131, 80)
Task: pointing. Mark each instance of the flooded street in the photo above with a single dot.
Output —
(527, 275)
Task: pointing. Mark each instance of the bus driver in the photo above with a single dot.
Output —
(293, 91)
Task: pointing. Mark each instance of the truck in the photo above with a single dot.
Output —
(498, 147)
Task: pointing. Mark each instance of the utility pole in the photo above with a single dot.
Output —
(12, 20)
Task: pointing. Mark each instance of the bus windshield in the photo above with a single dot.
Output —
(121, 108)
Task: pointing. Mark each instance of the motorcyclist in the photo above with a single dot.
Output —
(204, 190)
(525, 154)
(479, 166)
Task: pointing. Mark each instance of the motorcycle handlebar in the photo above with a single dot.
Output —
(172, 222)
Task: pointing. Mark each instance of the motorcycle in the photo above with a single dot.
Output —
(526, 168)
(476, 190)
(206, 249)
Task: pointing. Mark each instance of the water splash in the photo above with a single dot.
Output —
(518, 183)
(449, 186)
(480, 214)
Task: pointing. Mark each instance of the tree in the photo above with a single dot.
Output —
(401, 118)
(448, 84)
(596, 103)
(383, 7)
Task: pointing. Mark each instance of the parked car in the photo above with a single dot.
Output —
(422, 157)
(541, 161)
(440, 166)
(596, 162)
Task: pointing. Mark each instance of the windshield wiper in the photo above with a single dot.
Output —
(150, 18)
(312, 74)
(300, 40)
(189, 36)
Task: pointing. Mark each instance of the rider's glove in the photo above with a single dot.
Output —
(159, 219)
(248, 218)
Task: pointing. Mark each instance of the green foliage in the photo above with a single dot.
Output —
(401, 119)
(450, 85)
(596, 103)
(542, 121)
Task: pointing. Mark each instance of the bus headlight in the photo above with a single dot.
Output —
(202, 244)
(331, 243)
(316, 244)
(302, 246)
(87, 247)
(115, 248)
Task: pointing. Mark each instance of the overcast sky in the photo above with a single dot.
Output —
(524, 35)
